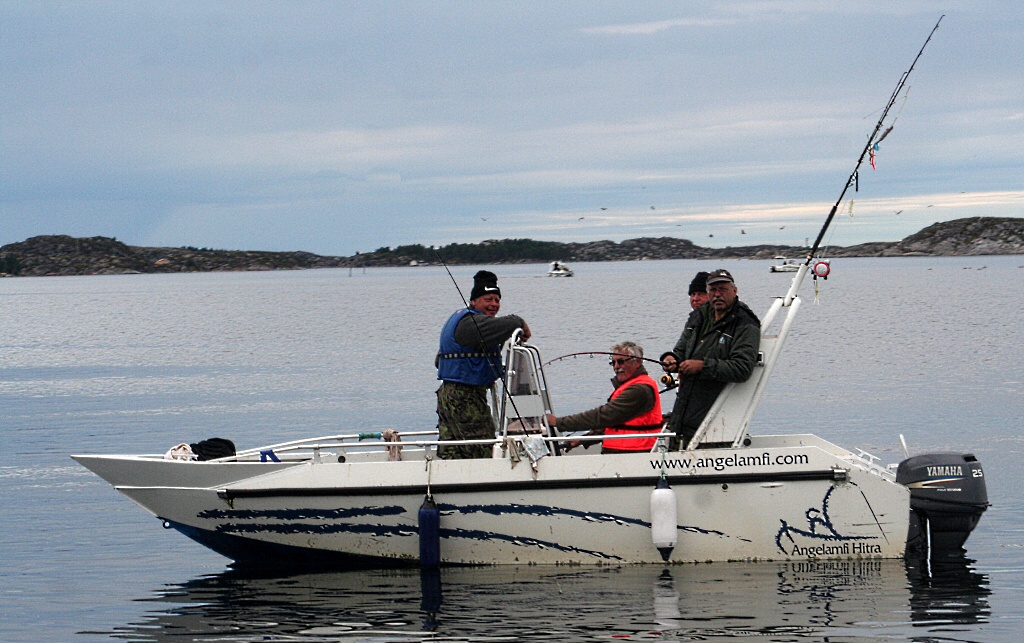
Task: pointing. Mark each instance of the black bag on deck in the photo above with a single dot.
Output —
(213, 448)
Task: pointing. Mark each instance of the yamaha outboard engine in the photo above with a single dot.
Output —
(947, 498)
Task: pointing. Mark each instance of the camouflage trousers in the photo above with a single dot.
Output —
(463, 414)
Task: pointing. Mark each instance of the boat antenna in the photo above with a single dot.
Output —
(873, 139)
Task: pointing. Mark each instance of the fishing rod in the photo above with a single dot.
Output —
(456, 284)
(667, 379)
(873, 140)
(791, 302)
(558, 359)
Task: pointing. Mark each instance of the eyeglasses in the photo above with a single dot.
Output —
(619, 361)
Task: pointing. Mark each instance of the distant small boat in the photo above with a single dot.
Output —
(559, 269)
(786, 265)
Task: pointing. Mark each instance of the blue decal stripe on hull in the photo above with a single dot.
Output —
(247, 552)
(226, 542)
(300, 514)
(294, 515)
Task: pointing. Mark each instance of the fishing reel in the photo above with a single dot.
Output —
(668, 380)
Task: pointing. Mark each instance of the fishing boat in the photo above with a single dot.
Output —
(785, 265)
(385, 499)
(358, 499)
(559, 269)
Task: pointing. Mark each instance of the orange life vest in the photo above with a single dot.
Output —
(649, 422)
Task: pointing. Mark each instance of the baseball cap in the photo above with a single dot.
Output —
(719, 276)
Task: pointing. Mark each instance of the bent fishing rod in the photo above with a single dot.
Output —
(592, 353)
(873, 140)
(667, 379)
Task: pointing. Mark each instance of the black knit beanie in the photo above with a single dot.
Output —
(699, 283)
(484, 283)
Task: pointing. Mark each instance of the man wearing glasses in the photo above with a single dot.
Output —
(634, 407)
(719, 345)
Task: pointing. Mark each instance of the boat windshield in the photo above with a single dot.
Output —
(524, 394)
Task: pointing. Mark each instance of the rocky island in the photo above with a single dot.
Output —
(65, 255)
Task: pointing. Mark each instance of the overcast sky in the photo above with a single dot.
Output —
(337, 127)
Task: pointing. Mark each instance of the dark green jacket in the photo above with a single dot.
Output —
(729, 351)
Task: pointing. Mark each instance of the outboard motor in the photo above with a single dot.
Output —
(947, 498)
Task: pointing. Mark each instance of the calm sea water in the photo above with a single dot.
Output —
(927, 348)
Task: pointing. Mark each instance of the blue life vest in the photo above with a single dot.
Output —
(459, 363)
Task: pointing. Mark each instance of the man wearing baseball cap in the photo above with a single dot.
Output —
(719, 345)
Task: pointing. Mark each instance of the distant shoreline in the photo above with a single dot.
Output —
(62, 255)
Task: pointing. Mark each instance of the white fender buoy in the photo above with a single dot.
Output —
(663, 518)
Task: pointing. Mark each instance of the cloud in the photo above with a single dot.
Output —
(349, 126)
(647, 28)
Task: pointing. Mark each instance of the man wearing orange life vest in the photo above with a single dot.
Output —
(634, 407)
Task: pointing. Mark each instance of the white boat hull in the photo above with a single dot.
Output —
(798, 502)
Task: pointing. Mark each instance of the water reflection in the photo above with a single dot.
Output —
(947, 590)
(780, 601)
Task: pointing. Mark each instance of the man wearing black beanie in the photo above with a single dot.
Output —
(468, 363)
(698, 290)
